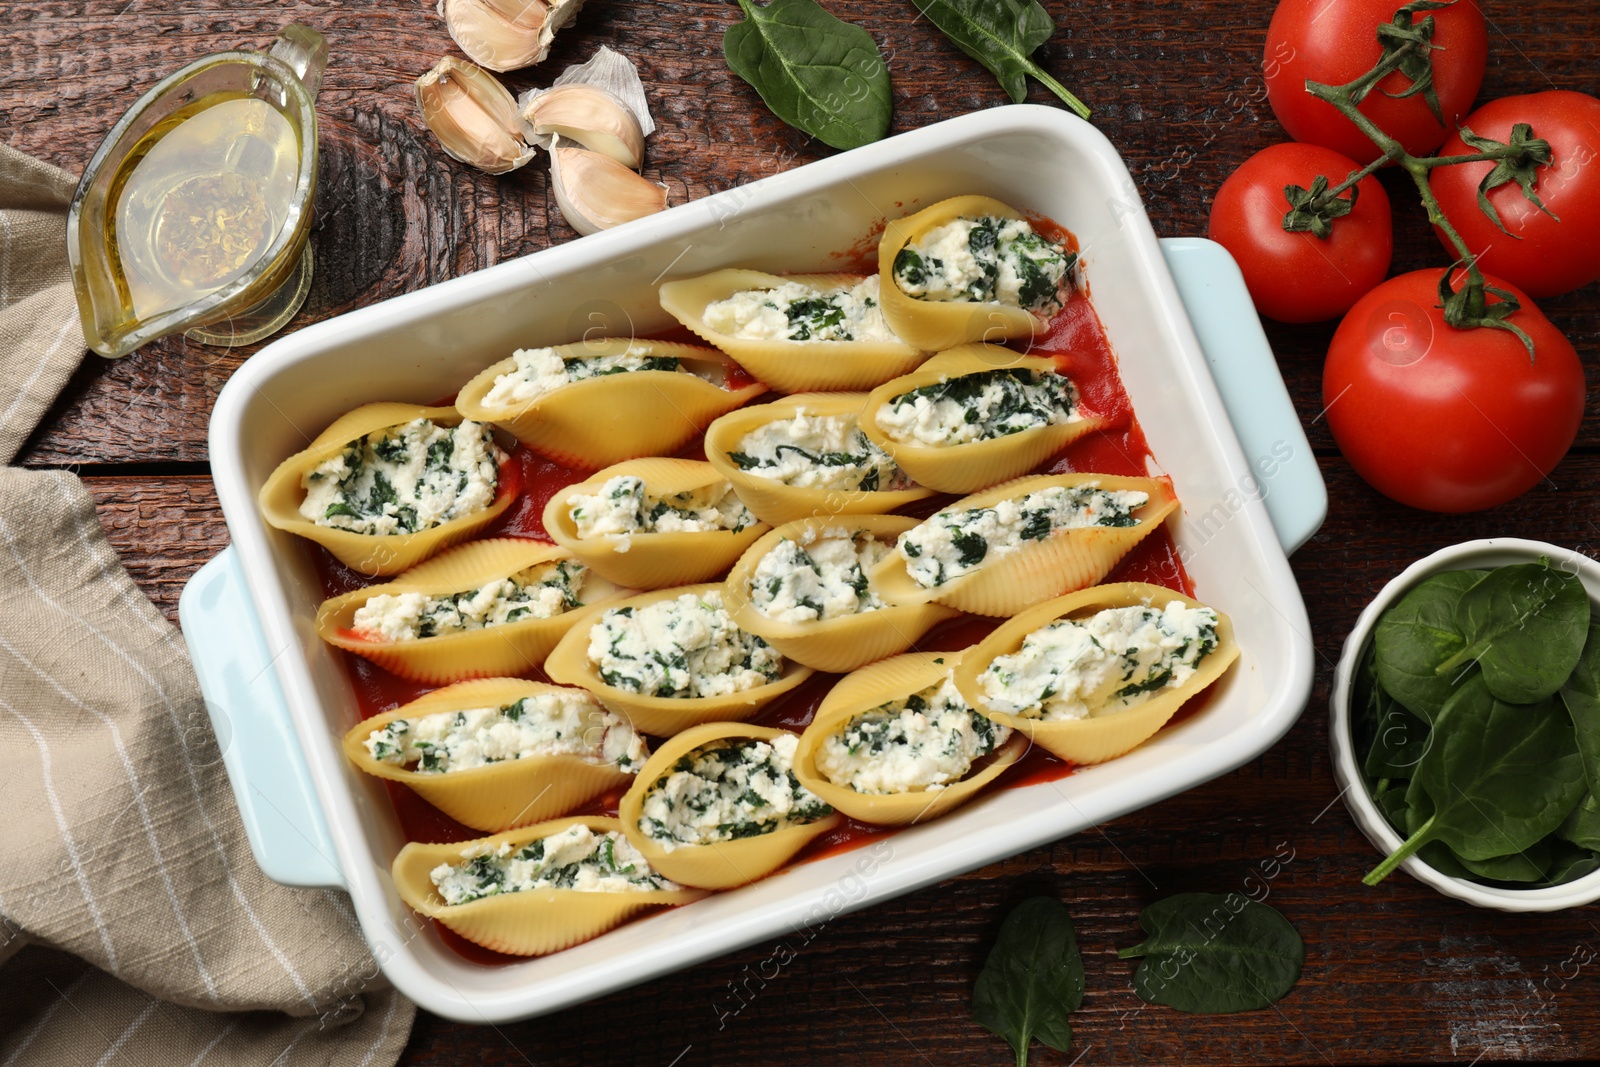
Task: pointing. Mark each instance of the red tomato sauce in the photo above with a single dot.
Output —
(1077, 342)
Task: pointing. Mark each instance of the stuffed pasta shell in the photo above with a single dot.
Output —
(535, 890)
(594, 403)
(970, 269)
(719, 806)
(1030, 539)
(1093, 674)
(796, 332)
(389, 485)
(649, 523)
(976, 415)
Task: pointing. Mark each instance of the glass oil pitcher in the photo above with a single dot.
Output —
(194, 213)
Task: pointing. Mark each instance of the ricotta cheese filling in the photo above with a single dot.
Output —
(576, 858)
(986, 260)
(953, 543)
(624, 505)
(818, 452)
(821, 576)
(922, 743)
(686, 647)
(729, 790)
(797, 312)
(1112, 660)
(542, 370)
(542, 591)
(548, 724)
(979, 407)
(405, 478)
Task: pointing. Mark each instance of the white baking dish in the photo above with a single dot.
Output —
(314, 820)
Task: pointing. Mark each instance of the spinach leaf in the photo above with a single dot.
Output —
(1529, 865)
(1415, 636)
(1392, 802)
(1208, 953)
(1499, 777)
(1582, 825)
(1581, 695)
(1033, 978)
(820, 75)
(1002, 35)
(1569, 862)
(1400, 740)
(1525, 625)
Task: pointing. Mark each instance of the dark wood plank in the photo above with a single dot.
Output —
(164, 529)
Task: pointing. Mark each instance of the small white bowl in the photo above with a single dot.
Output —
(1486, 553)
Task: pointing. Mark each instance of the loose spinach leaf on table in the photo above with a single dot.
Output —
(1581, 695)
(1002, 35)
(1498, 777)
(820, 75)
(1033, 979)
(1210, 953)
(1525, 626)
(1415, 636)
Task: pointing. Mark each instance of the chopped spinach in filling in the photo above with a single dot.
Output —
(625, 505)
(985, 260)
(979, 407)
(1114, 659)
(953, 543)
(686, 647)
(818, 452)
(542, 591)
(728, 790)
(543, 370)
(818, 577)
(576, 858)
(924, 742)
(548, 724)
(796, 312)
(405, 478)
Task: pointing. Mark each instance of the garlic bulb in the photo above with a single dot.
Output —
(473, 116)
(590, 116)
(595, 192)
(506, 34)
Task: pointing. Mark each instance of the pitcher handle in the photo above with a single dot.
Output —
(305, 51)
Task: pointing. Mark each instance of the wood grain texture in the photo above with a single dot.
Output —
(1393, 974)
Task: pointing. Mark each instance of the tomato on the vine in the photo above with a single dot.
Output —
(1300, 277)
(1446, 419)
(1551, 256)
(1336, 41)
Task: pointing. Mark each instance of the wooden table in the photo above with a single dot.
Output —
(1395, 973)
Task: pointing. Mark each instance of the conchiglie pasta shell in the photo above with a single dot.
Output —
(652, 560)
(725, 864)
(661, 716)
(496, 796)
(775, 503)
(788, 366)
(845, 643)
(599, 421)
(534, 922)
(375, 555)
(1067, 560)
(940, 324)
(966, 468)
(509, 648)
(872, 687)
(1095, 739)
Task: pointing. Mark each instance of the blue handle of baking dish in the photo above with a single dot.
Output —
(1247, 376)
(282, 819)
(267, 768)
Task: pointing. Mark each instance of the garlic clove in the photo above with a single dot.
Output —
(595, 192)
(591, 117)
(473, 116)
(506, 34)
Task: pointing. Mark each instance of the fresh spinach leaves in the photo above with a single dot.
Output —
(1524, 625)
(1581, 695)
(1002, 35)
(1210, 953)
(1033, 979)
(1418, 634)
(820, 75)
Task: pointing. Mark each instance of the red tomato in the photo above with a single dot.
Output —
(1336, 41)
(1299, 277)
(1446, 419)
(1551, 257)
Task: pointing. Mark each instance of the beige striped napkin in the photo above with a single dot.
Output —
(135, 927)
